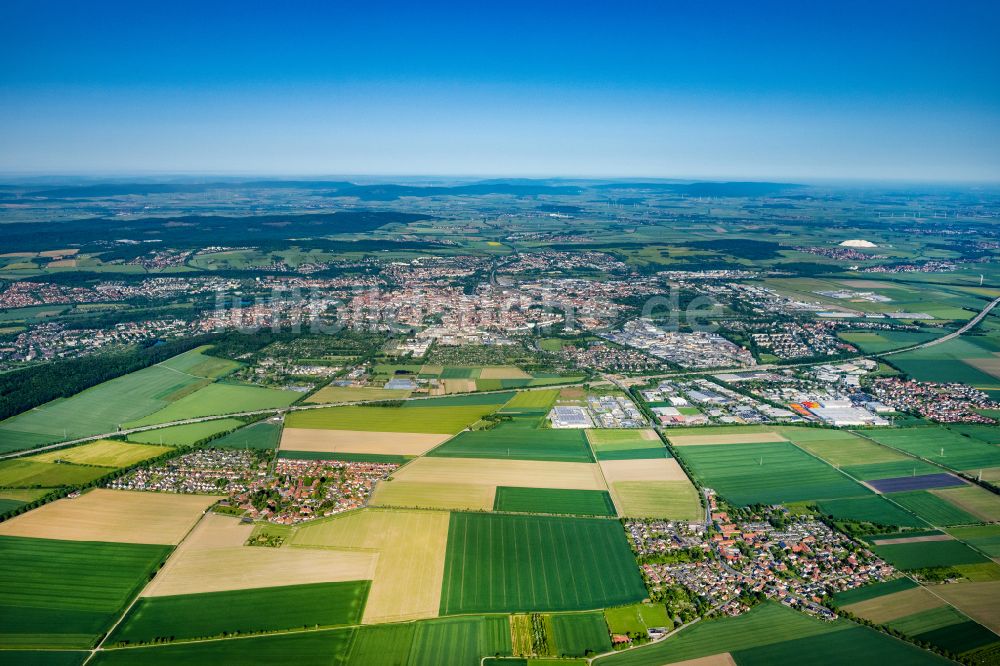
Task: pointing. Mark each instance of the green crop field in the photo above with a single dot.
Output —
(674, 500)
(97, 410)
(960, 637)
(626, 444)
(933, 509)
(468, 400)
(636, 618)
(949, 362)
(348, 457)
(21, 473)
(851, 450)
(538, 400)
(876, 342)
(442, 420)
(185, 435)
(261, 435)
(67, 593)
(212, 614)
(773, 634)
(986, 433)
(983, 537)
(218, 399)
(927, 620)
(919, 555)
(199, 364)
(355, 394)
(872, 508)
(579, 634)
(942, 446)
(766, 473)
(889, 470)
(499, 562)
(460, 641)
(554, 500)
(382, 644)
(519, 444)
(873, 591)
(314, 647)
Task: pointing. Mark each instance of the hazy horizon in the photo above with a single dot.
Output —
(899, 91)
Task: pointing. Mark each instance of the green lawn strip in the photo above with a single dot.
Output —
(347, 457)
(67, 593)
(312, 647)
(239, 611)
(554, 500)
(579, 634)
(511, 563)
(933, 509)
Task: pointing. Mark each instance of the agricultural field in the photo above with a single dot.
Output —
(518, 444)
(609, 444)
(329, 394)
(23, 473)
(969, 360)
(876, 342)
(933, 509)
(411, 547)
(894, 605)
(985, 538)
(112, 515)
(358, 441)
(314, 647)
(521, 473)
(923, 554)
(842, 449)
(217, 400)
(766, 473)
(456, 496)
(888, 470)
(554, 501)
(974, 500)
(673, 500)
(579, 634)
(977, 600)
(260, 435)
(38, 574)
(197, 363)
(941, 446)
(462, 641)
(727, 435)
(871, 508)
(186, 434)
(444, 420)
(103, 453)
(216, 613)
(537, 401)
(636, 618)
(498, 562)
(213, 558)
(771, 634)
(100, 409)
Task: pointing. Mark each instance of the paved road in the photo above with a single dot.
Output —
(615, 380)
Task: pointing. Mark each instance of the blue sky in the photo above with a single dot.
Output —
(792, 90)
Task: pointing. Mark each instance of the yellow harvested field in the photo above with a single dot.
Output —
(60, 253)
(991, 474)
(356, 441)
(411, 550)
(355, 394)
(990, 365)
(504, 372)
(113, 515)
(896, 605)
(104, 453)
(62, 263)
(721, 659)
(657, 469)
(447, 496)
(449, 386)
(737, 438)
(213, 559)
(977, 600)
(523, 473)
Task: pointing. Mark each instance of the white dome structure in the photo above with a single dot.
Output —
(857, 243)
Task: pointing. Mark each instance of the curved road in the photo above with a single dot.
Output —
(282, 410)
